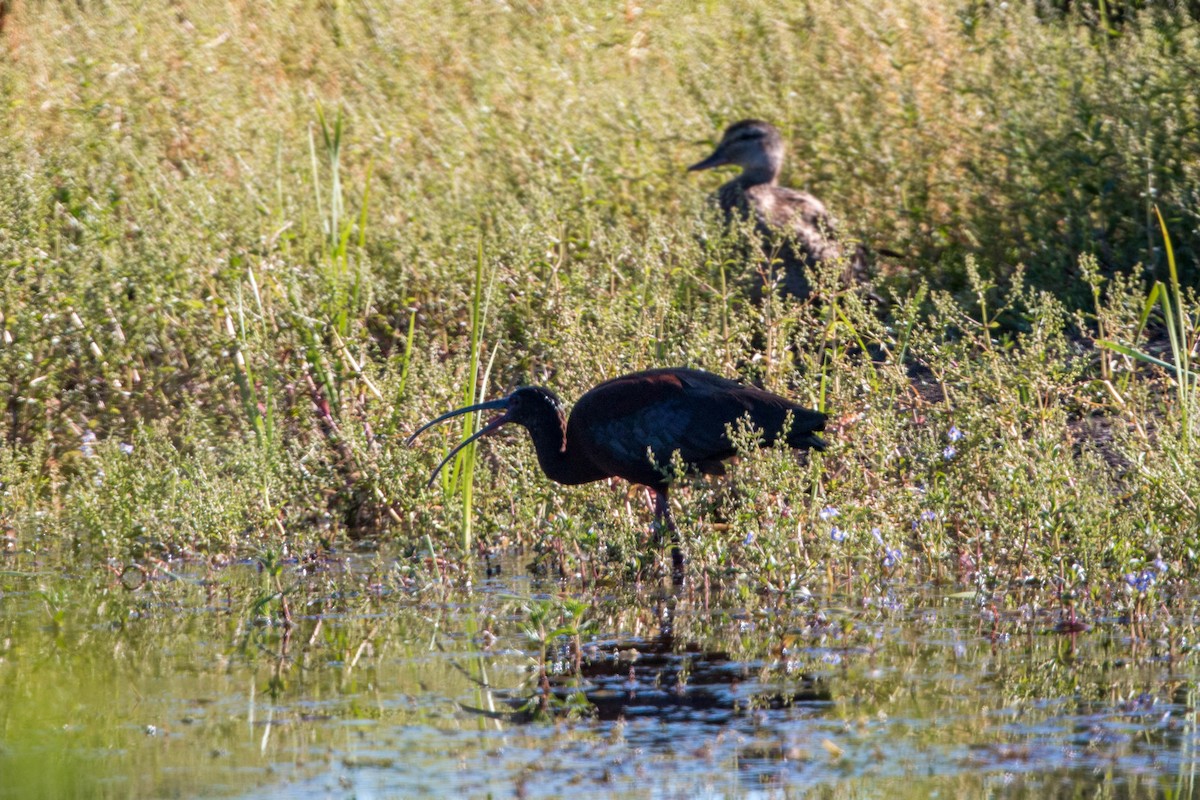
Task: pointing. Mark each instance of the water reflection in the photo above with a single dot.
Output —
(387, 682)
(657, 678)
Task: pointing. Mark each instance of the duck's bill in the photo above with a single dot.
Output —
(715, 160)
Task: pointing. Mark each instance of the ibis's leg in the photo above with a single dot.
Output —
(662, 513)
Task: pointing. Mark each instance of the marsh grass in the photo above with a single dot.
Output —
(185, 270)
(462, 476)
(1179, 319)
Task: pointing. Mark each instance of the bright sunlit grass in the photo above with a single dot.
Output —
(261, 244)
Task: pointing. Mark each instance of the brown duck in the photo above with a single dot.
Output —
(807, 228)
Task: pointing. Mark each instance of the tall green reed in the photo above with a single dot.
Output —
(325, 334)
(258, 408)
(1183, 332)
(343, 301)
(463, 472)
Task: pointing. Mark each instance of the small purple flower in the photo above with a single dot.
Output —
(126, 448)
(1160, 566)
(949, 452)
(891, 555)
(1141, 581)
(828, 513)
(837, 534)
(749, 540)
(928, 516)
(954, 434)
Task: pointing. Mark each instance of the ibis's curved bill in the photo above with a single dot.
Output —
(502, 403)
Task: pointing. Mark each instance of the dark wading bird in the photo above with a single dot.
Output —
(615, 427)
(806, 227)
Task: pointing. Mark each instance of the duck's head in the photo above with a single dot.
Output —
(751, 144)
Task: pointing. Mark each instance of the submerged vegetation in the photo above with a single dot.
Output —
(246, 249)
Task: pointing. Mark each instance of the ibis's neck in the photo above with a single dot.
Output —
(561, 463)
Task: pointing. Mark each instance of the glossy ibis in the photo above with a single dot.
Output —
(807, 229)
(629, 427)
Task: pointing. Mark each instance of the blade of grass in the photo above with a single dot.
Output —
(1133, 352)
(406, 359)
(1177, 330)
(463, 473)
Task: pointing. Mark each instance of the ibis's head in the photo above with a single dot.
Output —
(533, 407)
(751, 144)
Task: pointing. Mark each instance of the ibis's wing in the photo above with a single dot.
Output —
(665, 411)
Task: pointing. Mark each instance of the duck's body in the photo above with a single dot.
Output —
(794, 226)
(632, 426)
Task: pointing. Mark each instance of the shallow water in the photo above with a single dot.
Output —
(393, 682)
